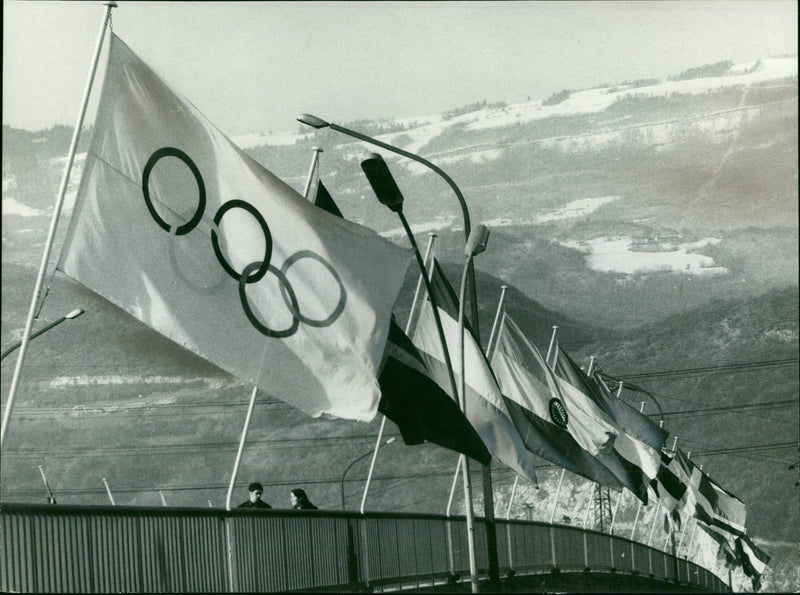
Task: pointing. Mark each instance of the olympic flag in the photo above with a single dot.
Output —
(177, 226)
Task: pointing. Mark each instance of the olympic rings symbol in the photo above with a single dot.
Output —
(253, 272)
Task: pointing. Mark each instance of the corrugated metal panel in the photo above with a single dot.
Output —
(599, 551)
(568, 549)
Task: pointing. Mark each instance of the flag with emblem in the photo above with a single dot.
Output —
(535, 405)
(180, 228)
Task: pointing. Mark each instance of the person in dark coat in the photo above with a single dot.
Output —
(255, 501)
(300, 500)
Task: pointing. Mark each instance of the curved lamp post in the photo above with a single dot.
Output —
(74, 314)
(317, 123)
(385, 188)
(361, 458)
(10, 402)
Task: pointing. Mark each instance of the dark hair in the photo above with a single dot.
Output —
(299, 493)
(255, 486)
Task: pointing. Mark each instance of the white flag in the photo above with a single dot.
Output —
(177, 226)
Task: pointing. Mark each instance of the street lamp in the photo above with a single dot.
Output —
(317, 123)
(361, 458)
(488, 498)
(74, 314)
(385, 188)
(10, 401)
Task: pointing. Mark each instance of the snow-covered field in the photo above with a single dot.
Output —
(618, 255)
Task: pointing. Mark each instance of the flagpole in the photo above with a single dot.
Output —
(108, 491)
(558, 492)
(46, 485)
(428, 253)
(453, 486)
(616, 508)
(655, 522)
(475, 245)
(591, 366)
(314, 163)
(636, 519)
(54, 220)
(241, 447)
(163, 500)
(550, 348)
(510, 500)
(492, 336)
(588, 504)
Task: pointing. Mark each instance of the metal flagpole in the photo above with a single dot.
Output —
(511, 499)
(655, 522)
(314, 163)
(591, 366)
(614, 514)
(588, 503)
(163, 500)
(636, 519)
(451, 559)
(108, 491)
(241, 448)
(54, 222)
(46, 485)
(550, 348)
(475, 245)
(428, 251)
(492, 336)
(453, 487)
(510, 502)
(558, 492)
(619, 391)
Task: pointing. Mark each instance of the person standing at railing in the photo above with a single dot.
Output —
(300, 500)
(255, 501)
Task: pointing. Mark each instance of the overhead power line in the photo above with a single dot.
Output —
(688, 372)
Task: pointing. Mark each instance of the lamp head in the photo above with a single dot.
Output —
(476, 243)
(75, 313)
(382, 182)
(312, 121)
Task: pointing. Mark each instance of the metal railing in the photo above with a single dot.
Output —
(90, 549)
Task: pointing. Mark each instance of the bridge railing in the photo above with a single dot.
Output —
(90, 549)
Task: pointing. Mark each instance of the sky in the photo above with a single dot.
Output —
(254, 66)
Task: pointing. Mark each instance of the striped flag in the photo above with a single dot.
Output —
(623, 455)
(639, 441)
(409, 396)
(754, 560)
(709, 502)
(485, 407)
(177, 226)
(535, 404)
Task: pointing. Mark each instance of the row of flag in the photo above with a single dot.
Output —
(177, 226)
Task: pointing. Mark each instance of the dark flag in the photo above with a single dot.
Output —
(409, 397)
(754, 560)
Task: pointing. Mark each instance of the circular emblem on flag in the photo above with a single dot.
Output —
(255, 271)
(558, 413)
